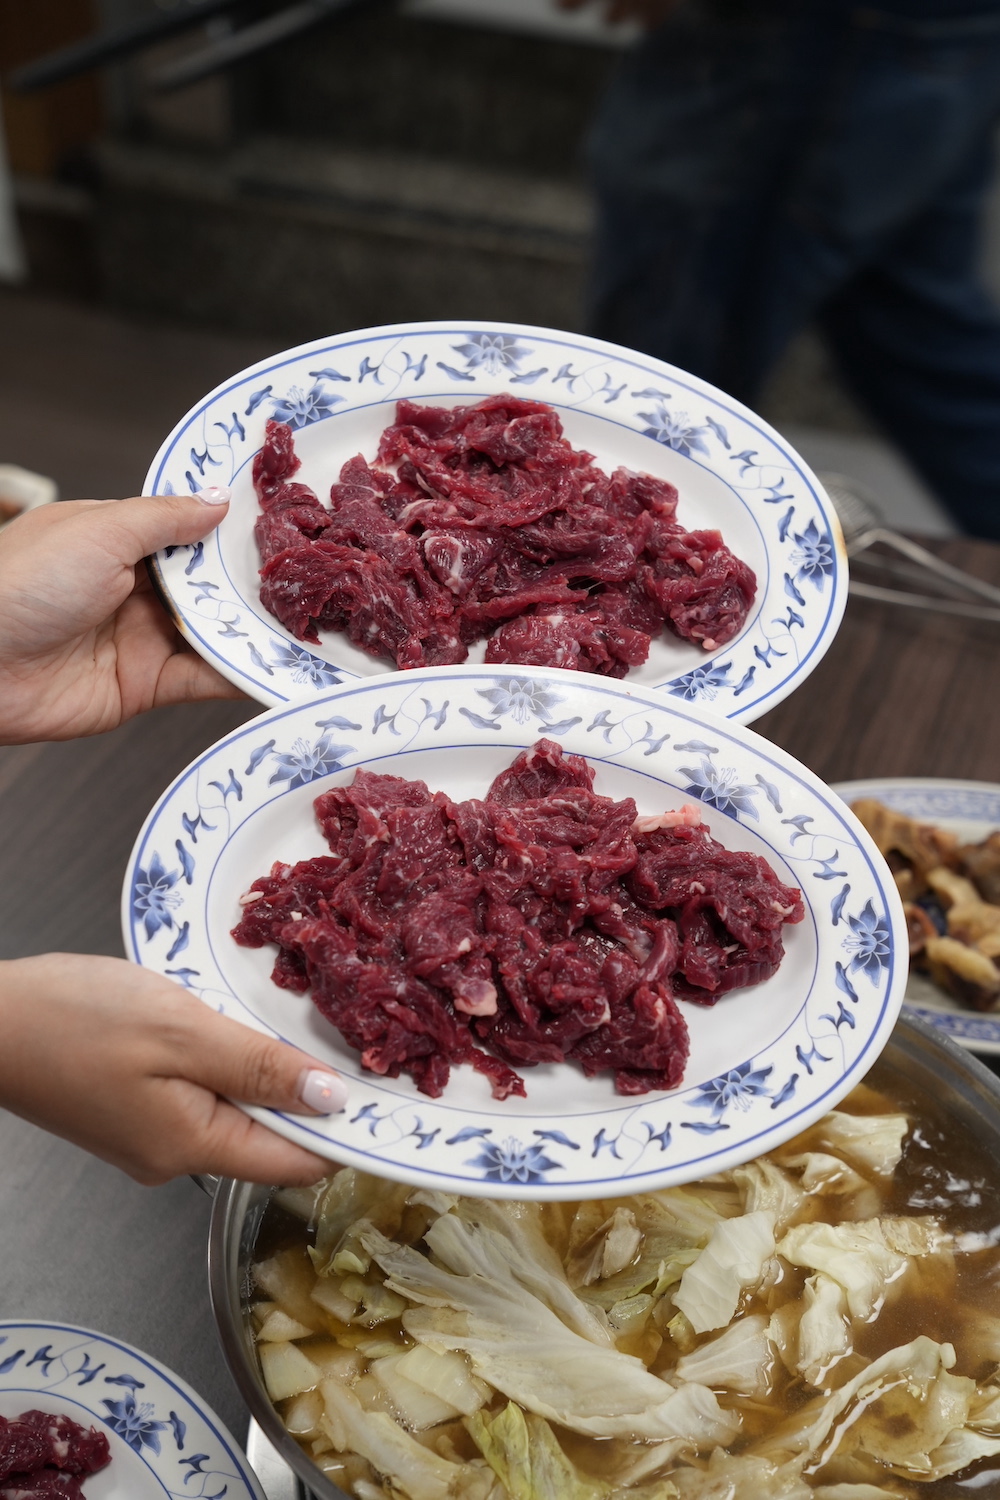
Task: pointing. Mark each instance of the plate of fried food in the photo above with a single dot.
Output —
(942, 841)
(433, 493)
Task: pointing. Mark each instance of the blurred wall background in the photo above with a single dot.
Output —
(397, 162)
(405, 159)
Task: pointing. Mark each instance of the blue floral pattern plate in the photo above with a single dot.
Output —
(972, 810)
(764, 1062)
(164, 1440)
(734, 473)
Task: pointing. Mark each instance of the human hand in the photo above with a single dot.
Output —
(84, 642)
(131, 1067)
(648, 13)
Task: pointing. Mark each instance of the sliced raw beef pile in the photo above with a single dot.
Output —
(540, 924)
(484, 521)
(47, 1457)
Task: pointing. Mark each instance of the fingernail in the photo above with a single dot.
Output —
(326, 1093)
(214, 494)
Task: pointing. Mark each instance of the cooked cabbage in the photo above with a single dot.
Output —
(526, 1458)
(414, 1469)
(731, 1262)
(517, 1344)
(431, 1347)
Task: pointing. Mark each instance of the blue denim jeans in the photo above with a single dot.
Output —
(763, 164)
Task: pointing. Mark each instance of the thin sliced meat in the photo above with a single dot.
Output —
(703, 590)
(485, 521)
(45, 1454)
(540, 924)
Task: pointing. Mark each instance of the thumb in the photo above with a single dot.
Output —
(135, 528)
(239, 1063)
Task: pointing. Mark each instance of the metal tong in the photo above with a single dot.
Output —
(864, 529)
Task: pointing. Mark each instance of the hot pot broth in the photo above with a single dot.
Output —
(786, 1362)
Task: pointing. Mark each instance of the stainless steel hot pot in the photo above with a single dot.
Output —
(925, 1062)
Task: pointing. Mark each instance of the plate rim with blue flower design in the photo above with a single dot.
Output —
(802, 589)
(755, 1078)
(133, 1398)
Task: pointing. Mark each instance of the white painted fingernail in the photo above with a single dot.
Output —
(326, 1093)
(214, 494)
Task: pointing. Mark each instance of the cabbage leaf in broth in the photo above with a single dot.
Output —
(808, 1325)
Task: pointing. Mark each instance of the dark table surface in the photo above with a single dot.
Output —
(899, 693)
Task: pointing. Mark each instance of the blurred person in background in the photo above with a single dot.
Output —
(762, 163)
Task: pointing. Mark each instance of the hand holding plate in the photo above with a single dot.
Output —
(133, 1068)
(84, 642)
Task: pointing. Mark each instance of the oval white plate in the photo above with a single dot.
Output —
(734, 473)
(972, 810)
(164, 1440)
(764, 1062)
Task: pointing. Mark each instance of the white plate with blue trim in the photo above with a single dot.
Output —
(733, 471)
(764, 1062)
(972, 810)
(164, 1440)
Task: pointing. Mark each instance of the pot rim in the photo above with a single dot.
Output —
(227, 1299)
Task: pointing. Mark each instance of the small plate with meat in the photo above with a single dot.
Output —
(433, 493)
(85, 1417)
(942, 839)
(563, 937)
